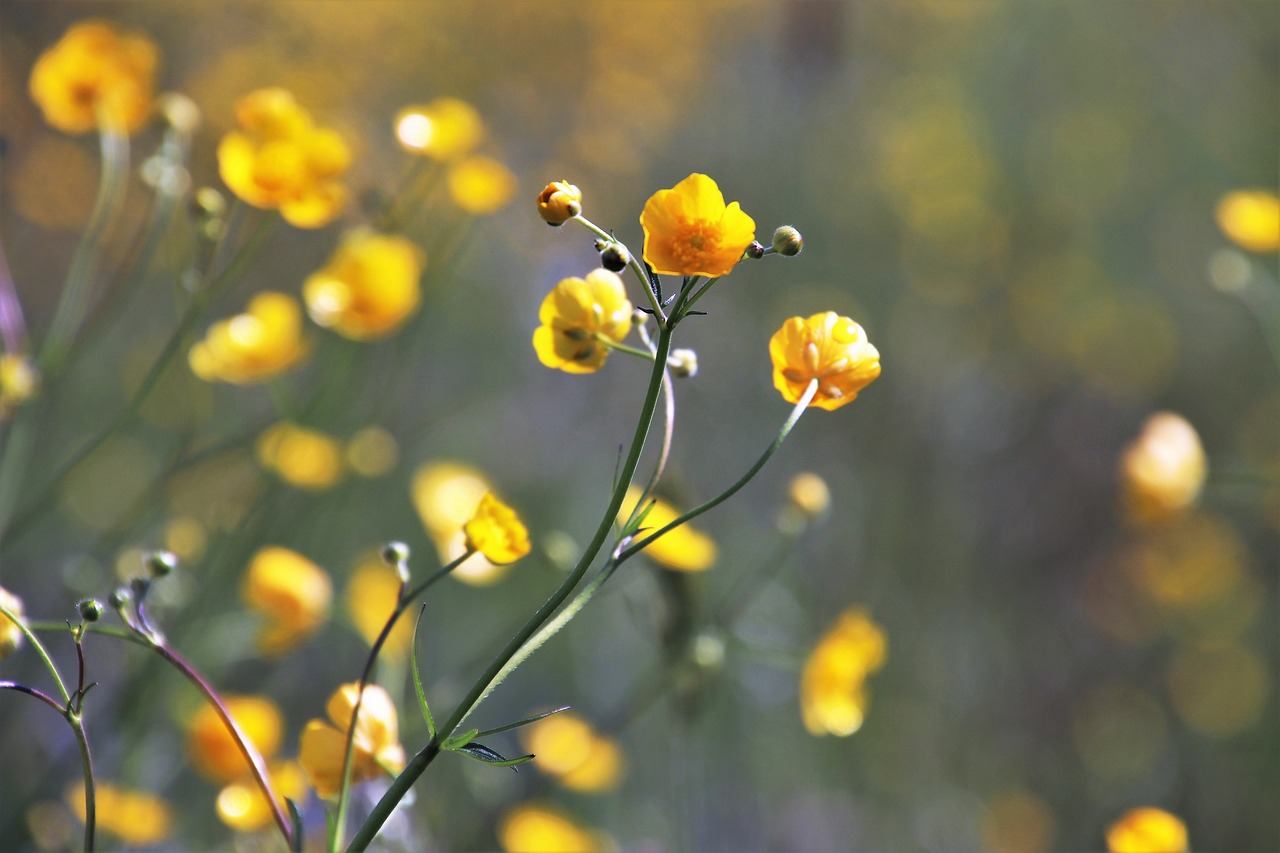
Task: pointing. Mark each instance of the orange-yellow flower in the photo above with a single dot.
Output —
(559, 202)
(254, 346)
(832, 694)
(567, 748)
(137, 818)
(532, 828)
(302, 457)
(280, 159)
(688, 230)
(481, 185)
(1251, 218)
(829, 348)
(10, 634)
(368, 288)
(242, 805)
(291, 592)
(496, 531)
(213, 750)
(372, 595)
(1147, 830)
(377, 746)
(444, 129)
(579, 317)
(446, 495)
(684, 549)
(95, 75)
(1162, 471)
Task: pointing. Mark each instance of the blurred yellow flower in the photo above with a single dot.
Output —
(137, 818)
(496, 531)
(444, 129)
(832, 695)
(95, 75)
(19, 382)
(10, 634)
(242, 805)
(481, 185)
(446, 495)
(827, 347)
(376, 744)
(568, 749)
(368, 288)
(371, 451)
(559, 202)
(579, 316)
(688, 230)
(684, 549)
(254, 346)
(290, 592)
(280, 159)
(301, 457)
(1162, 471)
(532, 828)
(1251, 218)
(1147, 830)
(372, 595)
(809, 493)
(213, 750)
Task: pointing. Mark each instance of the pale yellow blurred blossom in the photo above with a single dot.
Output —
(533, 828)
(255, 346)
(684, 549)
(446, 495)
(481, 185)
(1162, 471)
(10, 634)
(368, 287)
(302, 457)
(138, 818)
(242, 805)
(214, 752)
(371, 452)
(832, 687)
(372, 595)
(186, 537)
(290, 592)
(496, 531)
(95, 76)
(1147, 830)
(809, 493)
(377, 748)
(1017, 822)
(567, 748)
(19, 382)
(1251, 218)
(445, 129)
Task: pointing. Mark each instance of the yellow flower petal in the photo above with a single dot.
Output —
(575, 315)
(496, 531)
(290, 592)
(1251, 218)
(1162, 471)
(368, 288)
(689, 231)
(213, 750)
(832, 697)
(93, 75)
(1147, 830)
(829, 348)
(684, 549)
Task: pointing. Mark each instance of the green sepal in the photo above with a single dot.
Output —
(417, 676)
(295, 818)
(480, 752)
(459, 741)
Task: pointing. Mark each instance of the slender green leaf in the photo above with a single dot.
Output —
(480, 752)
(417, 676)
(459, 741)
(295, 817)
(526, 721)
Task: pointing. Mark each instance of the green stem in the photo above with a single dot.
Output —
(40, 650)
(633, 264)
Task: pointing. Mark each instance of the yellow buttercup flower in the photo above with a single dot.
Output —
(371, 451)
(291, 592)
(1147, 830)
(372, 595)
(496, 531)
(532, 828)
(809, 494)
(368, 288)
(567, 748)
(559, 202)
(213, 750)
(832, 694)
(279, 159)
(10, 634)
(481, 185)
(137, 818)
(254, 346)
(446, 495)
(684, 549)
(827, 347)
(1251, 218)
(688, 230)
(377, 746)
(445, 129)
(95, 75)
(242, 805)
(305, 458)
(578, 317)
(1162, 471)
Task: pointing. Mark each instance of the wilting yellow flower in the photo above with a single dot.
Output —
(242, 805)
(688, 230)
(481, 185)
(291, 592)
(301, 457)
(832, 695)
(559, 202)
(684, 549)
(368, 288)
(94, 75)
(213, 750)
(10, 634)
(1251, 218)
(254, 346)
(446, 495)
(280, 159)
(135, 817)
(496, 531)
(531, 828)
(19, 382)
(578, 317)
(567, 748)
(1147, 830)
(827, 347)
(372, 595)
(1162, 471)
(444, 129)
(377, 746)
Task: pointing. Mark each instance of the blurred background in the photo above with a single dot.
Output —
(1017, 200)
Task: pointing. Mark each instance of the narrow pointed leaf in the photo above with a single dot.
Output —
(480, 752)
(417, 676)
(459, 741)
(295, 817)
(526, 721)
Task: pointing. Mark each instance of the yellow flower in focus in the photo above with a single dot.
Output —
(444, 129)
(1147, 830)
(10, 634)
(213, 750)
(559, 202)
(827, 347)
(290, 592)
(688, 230)
(684, 549)
(242, 805)
(1251, 218)
(531, 828)
(372, 595)
(578, 316)
(481, 185)
(567, 748)
(301, 457)
(446, 495)
(93, 75)
(368, 288)
(279, 159)
(137, 818)
(19, 382)
(1162, 471)
(832, 696)
(496, 531)
(377, 739)
(254, 346)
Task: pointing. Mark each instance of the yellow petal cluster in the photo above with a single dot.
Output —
(1162, 471)
(684, 549)
(368, 288)
(829, 348)
(481, 185)
(290, 592)
(496, 531)
(214, 752)
(95, 75)
(533, 828)
(302, 457)
(377, 746)
(280, 159)
(578, 316)
(446, 495)
(559, 202)
(372, 595)
(1251, 219)
(567, 748)
(252, 347)
(688, 230)
(242, 806)
(832, 692)
(445, 129)
(10, 634)
(138, 818)
(1147, 830)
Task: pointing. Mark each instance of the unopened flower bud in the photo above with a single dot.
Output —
(614, 257)
(787, 241)
(140, 586)
(179, 111)
(683, 362)
(90, 609)
(755, 251)
(395, 553)
(559, 202)
(119, 598)
(639, 318)
(161, 563)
